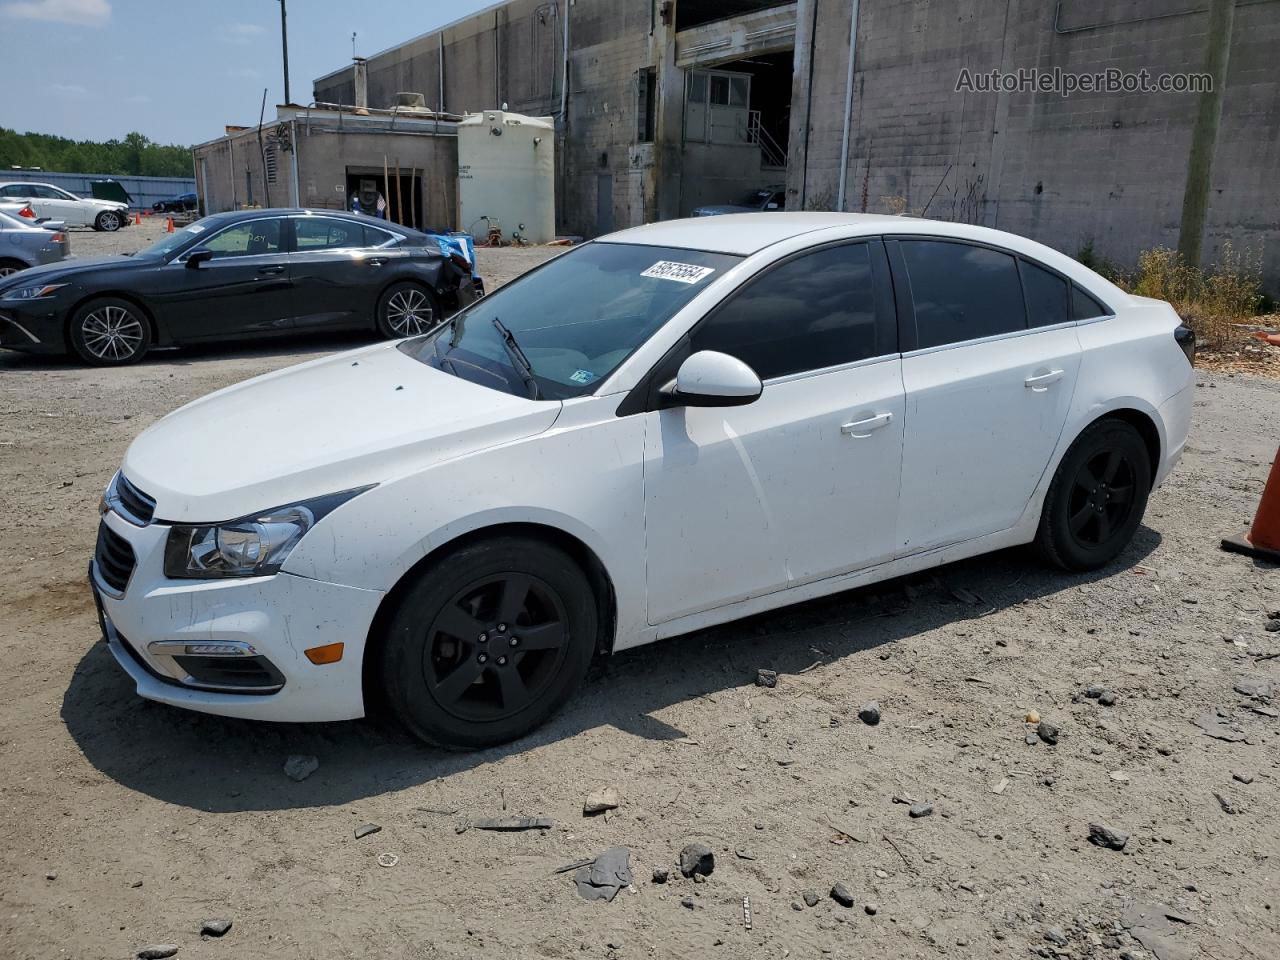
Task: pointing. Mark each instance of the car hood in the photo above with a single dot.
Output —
(360, 417)
(56, 272)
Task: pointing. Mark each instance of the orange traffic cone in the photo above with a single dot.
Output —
(1263, 538)
(137, 219)
(168, 226)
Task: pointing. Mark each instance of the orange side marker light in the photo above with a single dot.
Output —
(329, 653)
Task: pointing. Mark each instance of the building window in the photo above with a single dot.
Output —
(716, 107)
(270, 161)
(646, 103)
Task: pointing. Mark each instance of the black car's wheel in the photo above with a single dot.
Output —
(8, 267)
(489, 642)
(1097, 497)
(109, 332)
(407, 309)
(108, 221)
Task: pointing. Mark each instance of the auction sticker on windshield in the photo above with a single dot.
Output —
(680, 272)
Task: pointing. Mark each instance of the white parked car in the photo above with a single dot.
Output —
(57, 204)
(668, 428)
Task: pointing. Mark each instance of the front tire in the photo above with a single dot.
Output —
(407, 309)
(1097, 498)
(108, 222)
(489, 642)
(8, 267)
(109, 332)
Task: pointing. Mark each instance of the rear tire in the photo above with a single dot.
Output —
(489, 642)
(1097, 498)
(108, 222)
(407, 309)
(9, 266)
(109, 332)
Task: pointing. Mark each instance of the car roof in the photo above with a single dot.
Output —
(741, 233)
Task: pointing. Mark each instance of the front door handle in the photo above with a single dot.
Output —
(860, 428)
(376, 261)
(270, 271)
(1042, 380)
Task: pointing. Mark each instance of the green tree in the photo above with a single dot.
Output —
(135, 155)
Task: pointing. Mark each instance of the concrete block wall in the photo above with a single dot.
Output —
(1093, 167)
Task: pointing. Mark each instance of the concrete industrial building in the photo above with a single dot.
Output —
(663, 105)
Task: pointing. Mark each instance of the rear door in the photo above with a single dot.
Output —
(336, 269)
(245, 289)
(989, 371)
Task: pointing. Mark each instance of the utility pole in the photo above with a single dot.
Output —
(284, 44)
(1204, 136)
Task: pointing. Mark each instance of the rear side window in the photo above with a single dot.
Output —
(1047, 295)
(1084, 306)
(815, 311)
(373, 237)
(962, 292)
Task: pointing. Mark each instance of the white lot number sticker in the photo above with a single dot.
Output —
(679, 272)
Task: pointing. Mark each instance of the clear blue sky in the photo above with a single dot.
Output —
(178, 70)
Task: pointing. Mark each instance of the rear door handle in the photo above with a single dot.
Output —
(376, 261)
(860, 428)
(270, 271)
(1042, 380)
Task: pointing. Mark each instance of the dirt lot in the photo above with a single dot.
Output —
(126, 823)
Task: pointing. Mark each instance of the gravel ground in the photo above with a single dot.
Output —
(126, 823)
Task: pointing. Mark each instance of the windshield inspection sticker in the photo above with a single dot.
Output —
(680, 272)
(582, 376)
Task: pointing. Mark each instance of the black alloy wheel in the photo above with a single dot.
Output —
(489, 642)
(1097, 498)
(110, 332)
(407, 309)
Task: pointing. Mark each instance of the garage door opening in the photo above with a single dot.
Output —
(397, 199)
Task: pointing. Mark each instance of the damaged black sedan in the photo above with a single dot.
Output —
(235, 276)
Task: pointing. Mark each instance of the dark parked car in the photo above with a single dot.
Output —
(238, 275)
(178, 204)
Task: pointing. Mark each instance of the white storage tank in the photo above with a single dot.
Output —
(506, 172)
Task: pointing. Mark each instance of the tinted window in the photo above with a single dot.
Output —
(17, 190)
(47, 193)
(321, 233)
(812, 312)
(373, 237)
(1085, 307)
(962, 292)
(246, 239)
(1046, 295)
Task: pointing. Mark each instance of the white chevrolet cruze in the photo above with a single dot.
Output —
(668, 428)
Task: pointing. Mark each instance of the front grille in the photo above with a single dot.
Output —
(114, 559)
(134, 504)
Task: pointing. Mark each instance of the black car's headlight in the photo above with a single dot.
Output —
(37, 292)
(253, 546)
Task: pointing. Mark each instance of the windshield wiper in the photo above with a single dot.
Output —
(522, 362)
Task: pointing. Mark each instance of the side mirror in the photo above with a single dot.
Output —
(711, 379)
(198, 256)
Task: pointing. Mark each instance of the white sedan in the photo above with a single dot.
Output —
(57, 204)
(668, 428)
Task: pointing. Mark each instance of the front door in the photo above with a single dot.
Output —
(987, 391)
(802, 484)
(245, 289)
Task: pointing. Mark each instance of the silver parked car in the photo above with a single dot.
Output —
(26, 244)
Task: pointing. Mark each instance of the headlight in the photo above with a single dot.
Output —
(33, 293)
(253, 546)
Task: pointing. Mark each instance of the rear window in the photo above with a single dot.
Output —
(1046, 295)
(962, 292)
(1084, 306)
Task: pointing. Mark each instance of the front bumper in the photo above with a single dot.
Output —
(32, 325)
(274, 618)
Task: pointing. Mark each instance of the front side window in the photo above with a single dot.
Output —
(321, 233)
(962, 292)
(575, 319)
(1046, 295)
(252, 239)
(15, 190)
(815, 311)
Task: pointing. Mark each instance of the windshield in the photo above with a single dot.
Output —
(756, 198)
(169, 242)
(576, 318)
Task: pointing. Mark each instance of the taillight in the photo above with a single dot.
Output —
(461, 262)
(27, 212)
(59, 238)
(1186, 338)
